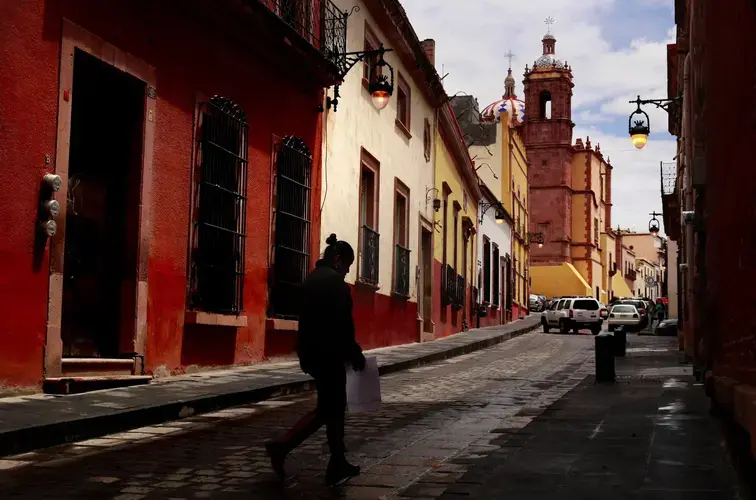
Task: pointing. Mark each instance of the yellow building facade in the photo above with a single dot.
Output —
(515, 195)
(455, 227)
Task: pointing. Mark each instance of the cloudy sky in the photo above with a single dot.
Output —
(617, 50)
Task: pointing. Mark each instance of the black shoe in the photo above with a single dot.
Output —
(340, 470)
(277, 455)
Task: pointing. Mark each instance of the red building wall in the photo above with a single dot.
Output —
(727, 260)
(190, 56)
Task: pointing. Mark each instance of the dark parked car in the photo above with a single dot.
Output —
(666, 328)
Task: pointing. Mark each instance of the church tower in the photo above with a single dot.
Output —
(547, 132)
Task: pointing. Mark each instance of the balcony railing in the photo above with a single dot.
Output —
(631, 275)
(401, 271)
(448, 284)
(459, 292)
(320, 22)
(369, 256)
(668, 178)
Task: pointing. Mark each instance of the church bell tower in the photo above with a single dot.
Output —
(547, 133)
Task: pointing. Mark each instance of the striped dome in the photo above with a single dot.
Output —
(513, 107)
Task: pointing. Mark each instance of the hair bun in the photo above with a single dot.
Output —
(332, 239)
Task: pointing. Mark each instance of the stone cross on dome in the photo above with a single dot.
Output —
(549, 21)
(509, 81)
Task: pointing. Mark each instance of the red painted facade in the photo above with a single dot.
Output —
(717, 250)
(548, 140)
(447, 319)
(206, 51)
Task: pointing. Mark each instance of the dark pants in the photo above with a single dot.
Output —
(330, 382)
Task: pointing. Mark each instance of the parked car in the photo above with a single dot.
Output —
(573, 314)
(535, 303)
(666, 328)
(626, 316)
(642, 308)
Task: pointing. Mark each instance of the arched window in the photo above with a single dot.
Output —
(291, 240)
(545, 108)
(220, 207)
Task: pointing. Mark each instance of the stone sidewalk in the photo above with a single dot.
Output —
(649, 436)
(33, 422)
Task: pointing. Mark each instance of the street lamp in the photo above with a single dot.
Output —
(381, 86)
(653, 224)
(499, 215)
(538, 237)
(640, 123)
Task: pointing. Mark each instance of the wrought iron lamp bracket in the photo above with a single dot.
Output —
(349, 60)
(485, 207)
(664, 104)
(538, 237)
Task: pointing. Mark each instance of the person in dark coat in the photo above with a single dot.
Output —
(326, 343)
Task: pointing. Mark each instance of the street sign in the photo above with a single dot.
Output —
(650, 280)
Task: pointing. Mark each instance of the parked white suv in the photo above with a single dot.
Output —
(573, 313)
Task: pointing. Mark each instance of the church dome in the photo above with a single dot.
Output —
(514, 108)
(509, 104)
(549, 61)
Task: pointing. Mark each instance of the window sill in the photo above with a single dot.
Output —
(401, 126)
(282, 325)
(400, 296)
(214, 319)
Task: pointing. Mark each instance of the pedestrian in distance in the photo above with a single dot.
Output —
(326, 344)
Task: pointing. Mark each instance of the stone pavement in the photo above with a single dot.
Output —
(648, 437)
(436, 421)
(37, 421)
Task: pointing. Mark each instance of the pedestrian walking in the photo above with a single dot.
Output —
(325, 345)
(660, 311)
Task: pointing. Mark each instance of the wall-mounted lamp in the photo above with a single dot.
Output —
(499, 215)
(436, 201)
(640, 123)
(381, 86)
(537, 237)
(653, 224)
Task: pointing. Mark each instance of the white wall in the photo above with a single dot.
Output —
(358, 124)
(491, 155)
(499, 234)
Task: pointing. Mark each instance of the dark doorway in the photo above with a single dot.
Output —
(102, 215)
(426, 249)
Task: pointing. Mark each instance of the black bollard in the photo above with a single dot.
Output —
(604, 357)
(620, 342)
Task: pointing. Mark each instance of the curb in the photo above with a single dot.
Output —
(35, 438)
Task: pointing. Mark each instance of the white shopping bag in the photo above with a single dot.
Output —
(364, 388)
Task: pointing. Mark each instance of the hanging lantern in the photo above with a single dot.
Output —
(639, 126)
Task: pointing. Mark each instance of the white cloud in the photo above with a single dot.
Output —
(473, 37)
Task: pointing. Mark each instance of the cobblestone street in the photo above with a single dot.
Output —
(434, 420)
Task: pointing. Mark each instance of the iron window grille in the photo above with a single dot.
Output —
(496, 278)
(321, 23)
(369, 250)
(486, 271)
(402, 271)
(218, 237)
(459, 292)
(448, 284)
(291, 242)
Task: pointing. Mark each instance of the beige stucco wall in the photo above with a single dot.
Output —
(358, 124)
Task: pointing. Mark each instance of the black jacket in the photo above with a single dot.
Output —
(326, 327)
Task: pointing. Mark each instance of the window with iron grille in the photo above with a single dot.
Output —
(291, 237)
(448, 285)
(401, 240)
(459, 292)
(220, 205)
(486, 270)
(496, 276)
(369, 236)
